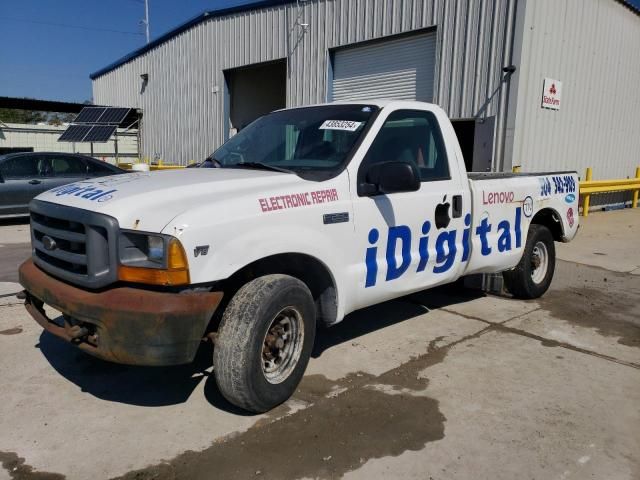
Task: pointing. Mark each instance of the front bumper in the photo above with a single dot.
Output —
(122, 324)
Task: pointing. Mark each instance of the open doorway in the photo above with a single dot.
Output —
(254, 91)
(476, 142)
(465, 129)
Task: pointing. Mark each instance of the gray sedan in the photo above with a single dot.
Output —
(26, 175)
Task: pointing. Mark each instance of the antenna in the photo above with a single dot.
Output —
(145, 20)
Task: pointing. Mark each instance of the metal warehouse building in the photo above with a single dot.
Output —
(541, 84)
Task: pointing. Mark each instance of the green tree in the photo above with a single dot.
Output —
(14, 115)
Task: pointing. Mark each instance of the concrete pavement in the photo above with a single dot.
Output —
(609, 240)
(442, 384)
(14, 230)
(14, 248)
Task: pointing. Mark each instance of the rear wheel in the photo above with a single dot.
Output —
(264, 342)
(532, 277)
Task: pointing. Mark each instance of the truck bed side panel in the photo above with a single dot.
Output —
(503, 207)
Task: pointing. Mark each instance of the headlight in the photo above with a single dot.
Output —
(152, 259)
(155, 248)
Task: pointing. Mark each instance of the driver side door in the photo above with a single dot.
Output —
(409, 240)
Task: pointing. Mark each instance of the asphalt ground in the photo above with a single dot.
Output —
(444, 384)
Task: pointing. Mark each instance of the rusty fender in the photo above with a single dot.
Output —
(122, 324)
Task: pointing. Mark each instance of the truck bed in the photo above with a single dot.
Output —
(476, 176)
(506, 202)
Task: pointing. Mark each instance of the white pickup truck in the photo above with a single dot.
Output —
(305, 216)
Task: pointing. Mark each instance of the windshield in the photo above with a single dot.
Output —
(306, 141)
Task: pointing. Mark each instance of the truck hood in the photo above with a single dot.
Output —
(150, 200)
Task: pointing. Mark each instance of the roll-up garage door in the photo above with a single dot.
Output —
(400, 69)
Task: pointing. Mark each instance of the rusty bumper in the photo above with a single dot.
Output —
(122, 324)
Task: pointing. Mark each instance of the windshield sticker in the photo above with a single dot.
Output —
(346, 125)
(295, 200)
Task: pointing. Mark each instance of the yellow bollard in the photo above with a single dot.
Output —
(587, 197)
(634, 202)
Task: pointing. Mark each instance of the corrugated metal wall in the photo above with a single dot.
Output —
(184, 115)
(592, 47)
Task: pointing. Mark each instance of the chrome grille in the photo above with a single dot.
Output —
(74, 244)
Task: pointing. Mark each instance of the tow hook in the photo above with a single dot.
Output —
(79, 331)
(76, 332)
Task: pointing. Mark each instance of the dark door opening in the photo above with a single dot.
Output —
(476, 142)
(465, 130)
(254, 91)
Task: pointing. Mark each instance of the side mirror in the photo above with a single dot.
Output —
(391, 177)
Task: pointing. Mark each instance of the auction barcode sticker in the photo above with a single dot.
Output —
(347, 125)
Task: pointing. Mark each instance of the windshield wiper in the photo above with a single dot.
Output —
(260, 166)
(210, 162)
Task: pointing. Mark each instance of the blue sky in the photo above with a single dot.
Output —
(53, 62)
(40, 60)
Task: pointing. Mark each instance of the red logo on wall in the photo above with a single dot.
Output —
(553, 90)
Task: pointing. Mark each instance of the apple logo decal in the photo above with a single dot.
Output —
(442, 214)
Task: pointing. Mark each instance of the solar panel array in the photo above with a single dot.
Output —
(75, 133)
(89, 114)
(100, 133)
(103, 115)
(94, 124)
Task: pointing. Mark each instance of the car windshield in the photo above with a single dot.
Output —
(313, 141)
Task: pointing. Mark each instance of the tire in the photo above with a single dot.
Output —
(270, 315)
(527, 280)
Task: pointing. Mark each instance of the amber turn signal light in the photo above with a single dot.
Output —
(176, 273)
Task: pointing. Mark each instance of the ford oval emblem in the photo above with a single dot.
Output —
(570, 198)
(49, 243)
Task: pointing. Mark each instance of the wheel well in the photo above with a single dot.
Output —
(306, 268)
(550, 219)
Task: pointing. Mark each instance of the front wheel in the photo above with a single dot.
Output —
(532, 277)
(264, 342)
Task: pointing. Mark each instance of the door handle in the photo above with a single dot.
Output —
(34, 182)
(456, 206)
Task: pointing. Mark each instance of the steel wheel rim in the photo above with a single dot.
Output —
(539, 262)
(282, 345)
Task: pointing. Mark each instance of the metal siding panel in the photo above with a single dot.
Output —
(592, 47)
(184, 118)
